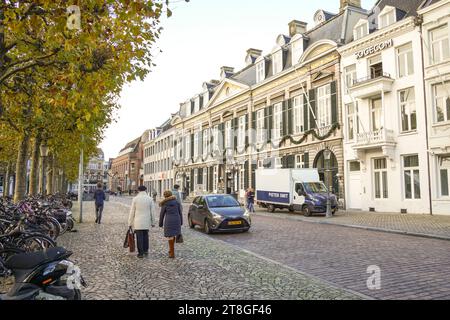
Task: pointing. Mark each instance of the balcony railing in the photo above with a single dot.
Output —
(375, 138)
(371, 77)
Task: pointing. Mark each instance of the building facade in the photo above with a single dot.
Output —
(158, 159)
(386, 161)
(126, 168)
(436, 48)
(281, 111)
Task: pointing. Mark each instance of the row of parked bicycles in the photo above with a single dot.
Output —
(28, 249)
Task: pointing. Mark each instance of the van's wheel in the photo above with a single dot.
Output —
(271, 208)
(291, 210)
(306, 211)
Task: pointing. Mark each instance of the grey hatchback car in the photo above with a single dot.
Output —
(218, 212)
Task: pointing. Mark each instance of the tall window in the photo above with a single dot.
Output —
(300, 161)
(188, 146)
(444, 175)
(324, 106)
(440, 46)
(297, 50)
(441, 94)
(411, 177)
(196, 143)
(299, 123)
(405, 60)
(376, 67)
(408, 110)
(380, 178)
(215, 179)
(352, 121)
(260, 126)
(277, 60)
(216, 138)
(260, 71)
(277, 120)
(228, 135)
(375, 114)
(205, 178)
(350, 75)
(241, 133)
(206, 142)
(278, 163)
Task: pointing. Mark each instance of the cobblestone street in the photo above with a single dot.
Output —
(203, 269)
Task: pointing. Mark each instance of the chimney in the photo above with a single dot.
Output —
(354, 3)
(296, 27)
(252, 55)
(226, 72)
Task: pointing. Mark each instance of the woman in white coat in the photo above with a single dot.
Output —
(142, 216)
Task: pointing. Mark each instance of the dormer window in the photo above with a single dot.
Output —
(277, 61)
(260, 70)
(386, 17)
(297, 49)
(361, 29)
(196, 104)
(187, 107)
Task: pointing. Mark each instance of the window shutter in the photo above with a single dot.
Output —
(306, 159)
(334, 118)
(246, 175)
(270, 122)
(246, 130)
(221, 137)
(291, 161)
(235, 137)
(211, 179)
(284, 122)
(305, 113)
(191, 181)
(253, 132)
(254, 167)
(290, 113)
(200, 176)
(312, 101)
(192, 145)
(200, 143)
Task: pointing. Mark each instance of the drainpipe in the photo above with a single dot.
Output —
(418, 22)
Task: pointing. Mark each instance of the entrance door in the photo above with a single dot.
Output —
(354, 185)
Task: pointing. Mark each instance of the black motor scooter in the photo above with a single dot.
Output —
(42, 275)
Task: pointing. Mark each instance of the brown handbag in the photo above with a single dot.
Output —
(131, 240)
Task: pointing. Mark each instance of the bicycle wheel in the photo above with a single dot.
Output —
(32, 243)
(5, 253)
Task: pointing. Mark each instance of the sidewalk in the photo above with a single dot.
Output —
(436, 226)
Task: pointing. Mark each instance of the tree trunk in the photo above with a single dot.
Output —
(55, 176)
(42, 169)
(6, 180)
(34, 188)
(20, 187)
(49, 178)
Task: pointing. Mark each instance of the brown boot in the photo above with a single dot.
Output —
(172, 248)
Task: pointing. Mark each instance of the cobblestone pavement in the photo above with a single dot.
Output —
(415, 224)
(411, 267)
(204, 268)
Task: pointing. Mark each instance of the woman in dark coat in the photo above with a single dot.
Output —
(172, 219)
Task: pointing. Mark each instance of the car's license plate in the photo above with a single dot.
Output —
(234, 223)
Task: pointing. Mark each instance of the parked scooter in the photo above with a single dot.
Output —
(42, 275)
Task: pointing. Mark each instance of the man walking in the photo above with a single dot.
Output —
(141, 218)
(99, 197)
(177, 194)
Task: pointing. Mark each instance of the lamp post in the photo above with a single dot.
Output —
(327, 156)
(44, 153)
(81, 182)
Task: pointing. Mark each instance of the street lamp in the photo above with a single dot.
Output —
(44, 153)
(327, 156)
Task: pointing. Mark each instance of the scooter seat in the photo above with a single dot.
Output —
(26, 261)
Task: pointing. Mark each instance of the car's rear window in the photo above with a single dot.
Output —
(221, 201)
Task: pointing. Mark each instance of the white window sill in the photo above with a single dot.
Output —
(441, 124)
(408, 133)
(438, 64)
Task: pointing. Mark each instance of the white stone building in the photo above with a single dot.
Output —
(436, 48)
(385, 136)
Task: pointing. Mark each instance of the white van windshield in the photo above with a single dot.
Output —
(315, 187)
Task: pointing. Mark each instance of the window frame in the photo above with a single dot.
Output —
(384, 193)
(324, 106)
(445, 100)
(407, 105)
(260, 126)
(277, 61)
(408, 55)
(241, 131)
(277, 121)
(298, 112)
(441, 168)
(439, 41)
(412, 171)
(260, 71)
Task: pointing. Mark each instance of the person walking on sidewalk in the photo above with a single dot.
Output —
(99, 197)
(142, 216)
(171, 218)
(177, 194)
(250, 200)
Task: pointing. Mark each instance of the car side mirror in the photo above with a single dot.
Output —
(201, 206)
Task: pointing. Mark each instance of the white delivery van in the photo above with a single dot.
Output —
(294, 189)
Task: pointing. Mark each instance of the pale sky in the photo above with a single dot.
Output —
(197, 40)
